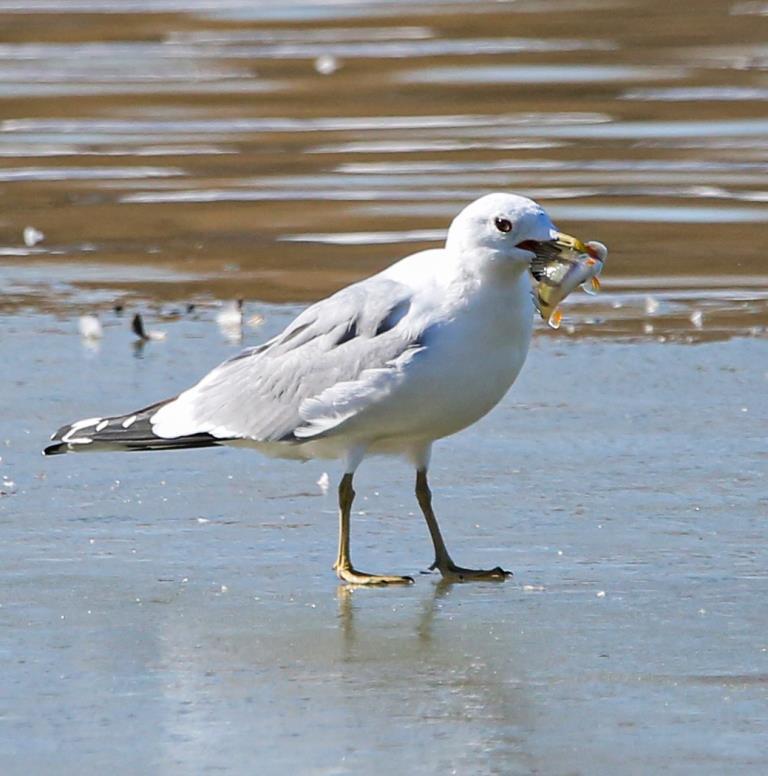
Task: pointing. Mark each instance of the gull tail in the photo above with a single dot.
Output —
(132, 432)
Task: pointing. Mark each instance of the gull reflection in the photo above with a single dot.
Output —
(443, 660)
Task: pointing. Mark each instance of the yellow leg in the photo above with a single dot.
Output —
(344, 569)
(443, 563)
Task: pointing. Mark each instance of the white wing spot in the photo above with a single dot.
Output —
(128, 422)
(101, 426)
(85, 423)
(79, 425)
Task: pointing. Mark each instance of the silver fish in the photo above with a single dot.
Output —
(579, 264)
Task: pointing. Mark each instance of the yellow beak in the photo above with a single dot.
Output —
(566, 242)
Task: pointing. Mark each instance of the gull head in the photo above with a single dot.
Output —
(506, 230)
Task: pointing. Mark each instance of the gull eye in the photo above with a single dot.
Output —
(503, 224)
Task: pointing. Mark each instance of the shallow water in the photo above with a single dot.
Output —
(176, 613)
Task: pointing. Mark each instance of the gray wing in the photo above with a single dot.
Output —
(337, 357)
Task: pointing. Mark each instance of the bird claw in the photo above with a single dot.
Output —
(453, 573)
(353, 577)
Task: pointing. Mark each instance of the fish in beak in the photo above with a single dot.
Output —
(562, 265)
(562, 246)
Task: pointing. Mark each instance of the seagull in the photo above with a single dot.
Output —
(230, 321)
(386, 365)
(89, 327)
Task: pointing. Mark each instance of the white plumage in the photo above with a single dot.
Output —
(387, 365)
(89, 327)
(417, 352)
(230, 320)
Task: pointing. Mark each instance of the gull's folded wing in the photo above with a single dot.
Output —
(338, 357)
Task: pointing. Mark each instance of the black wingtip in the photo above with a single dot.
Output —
(137, 326)
(58, 449)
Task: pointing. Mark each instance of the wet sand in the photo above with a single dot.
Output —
(223, 140)
(176, 613)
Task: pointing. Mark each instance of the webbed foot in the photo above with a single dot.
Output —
(354, 577)
(453, 573)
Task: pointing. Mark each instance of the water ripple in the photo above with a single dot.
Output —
(233, 126)
(540, 74)
(695, 93)
(9, 175)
